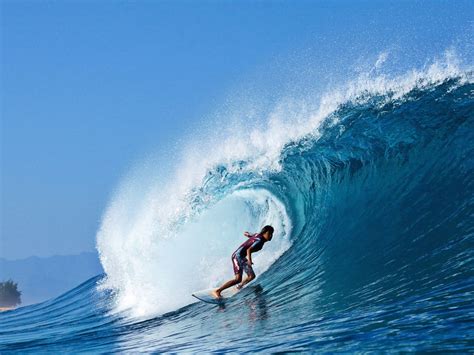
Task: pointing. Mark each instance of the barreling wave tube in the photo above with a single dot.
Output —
(372, 200)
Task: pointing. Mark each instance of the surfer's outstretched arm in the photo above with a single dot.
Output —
(248, 235)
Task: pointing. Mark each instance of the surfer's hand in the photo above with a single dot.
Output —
(247, 234)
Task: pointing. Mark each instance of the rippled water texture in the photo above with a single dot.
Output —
(377, 251)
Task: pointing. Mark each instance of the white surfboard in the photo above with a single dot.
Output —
(208, 297)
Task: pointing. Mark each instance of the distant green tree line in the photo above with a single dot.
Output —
(9, 294)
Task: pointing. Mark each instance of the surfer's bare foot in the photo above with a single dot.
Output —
(216, 294)
(239, 286)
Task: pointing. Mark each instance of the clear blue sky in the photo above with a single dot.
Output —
(89, 87)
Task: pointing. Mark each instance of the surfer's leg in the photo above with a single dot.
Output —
(238, 270)
(250, 276)
(230, 283)
(247, 280)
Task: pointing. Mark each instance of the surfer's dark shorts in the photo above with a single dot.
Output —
(240, 265)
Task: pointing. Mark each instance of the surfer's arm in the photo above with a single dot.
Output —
(249, 253)
(248, 235)
(249, 256)
(254, 247)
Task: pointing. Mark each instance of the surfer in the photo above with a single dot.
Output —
(242, 259)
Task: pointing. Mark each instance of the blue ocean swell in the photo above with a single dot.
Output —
(382, 209)
(382, 255)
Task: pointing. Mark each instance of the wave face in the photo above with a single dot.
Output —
(374, 250)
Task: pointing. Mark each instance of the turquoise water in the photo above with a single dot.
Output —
(380, 254)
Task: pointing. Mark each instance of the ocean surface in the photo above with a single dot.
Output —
(372, 198)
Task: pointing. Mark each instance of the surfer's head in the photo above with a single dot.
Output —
(267, 232)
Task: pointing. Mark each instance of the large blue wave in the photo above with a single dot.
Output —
(378, 209)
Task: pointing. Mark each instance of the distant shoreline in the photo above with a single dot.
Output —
(3, 309)
(40, 279)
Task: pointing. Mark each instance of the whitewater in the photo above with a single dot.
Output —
(370, 189)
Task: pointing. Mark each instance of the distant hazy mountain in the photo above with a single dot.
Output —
(40, 279)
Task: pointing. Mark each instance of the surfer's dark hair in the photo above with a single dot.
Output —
(267, 229)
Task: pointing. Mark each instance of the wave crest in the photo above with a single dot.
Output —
(297, 171)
